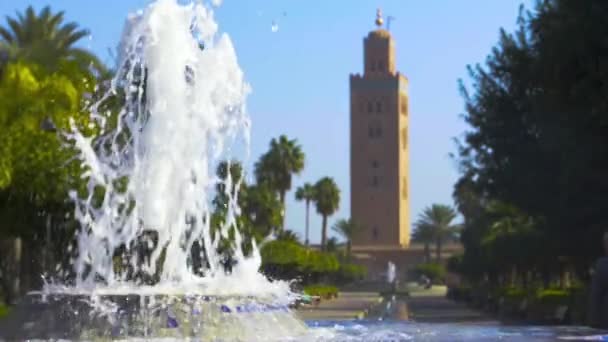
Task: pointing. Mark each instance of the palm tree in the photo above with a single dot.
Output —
(438, 219)
(276, 167)
(347, 228)
(424, 234)
(288, 236)
(46, 40)
(327, 201)
(332, 245)
(306, 193)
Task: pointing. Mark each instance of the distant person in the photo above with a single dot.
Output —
(598, 313)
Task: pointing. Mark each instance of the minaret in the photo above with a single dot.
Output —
(379, 162)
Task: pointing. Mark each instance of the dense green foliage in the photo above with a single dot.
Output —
(435, 272)
(534, 160)
(346, 228)
(275, 168)
(4, 310)
(323, 291)
(350, 272)
(327, 201)
(434, 226)
(289, 260)
(45, 82)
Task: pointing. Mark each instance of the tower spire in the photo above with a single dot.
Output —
(379, 20)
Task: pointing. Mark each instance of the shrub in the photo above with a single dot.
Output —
(350, 272)
(323, 291)
(454, 264)
(435, 272)
(511, 292)
(459, 293)
(553, 297)
(289, 260)
(3, 310)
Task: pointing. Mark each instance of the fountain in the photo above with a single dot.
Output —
(390, 274)
(147, 265)
(145, 217)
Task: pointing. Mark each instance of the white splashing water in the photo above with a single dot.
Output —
(157, 161)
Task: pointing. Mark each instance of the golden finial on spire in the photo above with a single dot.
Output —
(379, 20)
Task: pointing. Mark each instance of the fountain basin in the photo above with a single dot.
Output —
(133, 316)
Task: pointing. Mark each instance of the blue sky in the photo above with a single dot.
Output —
(299, 75)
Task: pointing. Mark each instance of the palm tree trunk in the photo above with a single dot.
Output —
(307, 220)
(427, 252)
(324, 233)
(438, 250)
(282, 199)
(12, 250)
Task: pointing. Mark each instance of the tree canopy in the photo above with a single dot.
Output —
(534, 158)
(327, 201)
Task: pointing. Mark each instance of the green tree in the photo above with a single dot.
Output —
(306, 193)
(327, 201)
(45, 39)
(347, 228)
(276, 167)
(37, 168)
(424, 233)
(538, 137)
(438, 219)
(288, 235)
(262, 209)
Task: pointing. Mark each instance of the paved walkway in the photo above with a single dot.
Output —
(348, 306)
(431, 306)
(423, 305)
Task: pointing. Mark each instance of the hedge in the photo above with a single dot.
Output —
(323, 291)
(435, 272)
(3, 310)
(289, 260)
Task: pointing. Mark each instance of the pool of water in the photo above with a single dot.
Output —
(410, 331)
(237, 318)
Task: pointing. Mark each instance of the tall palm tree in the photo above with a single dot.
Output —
(327, 201)
(438, 218)
(306, 193)
(46, 40)
(347, 228)
(276, 166)
(424, 234)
